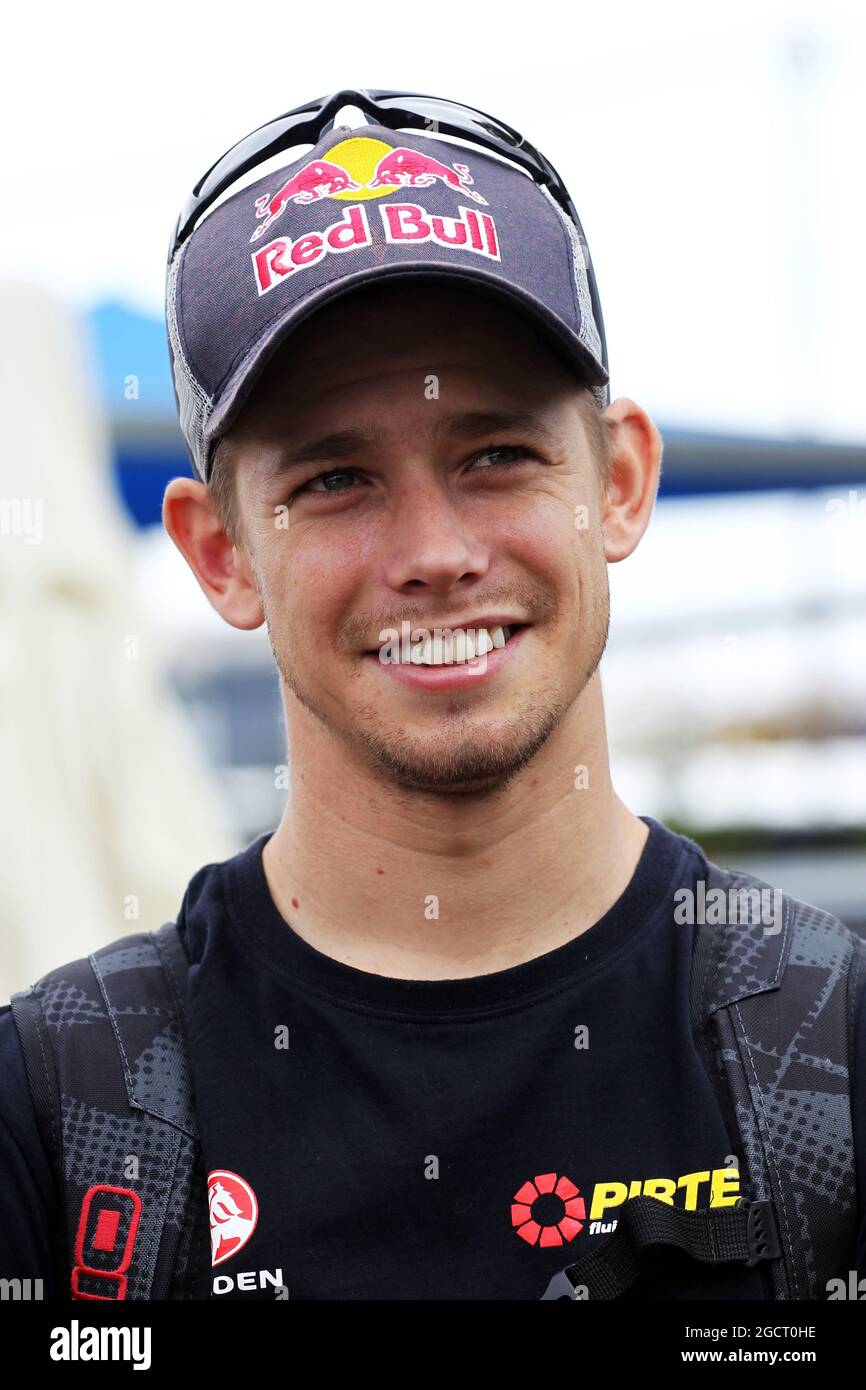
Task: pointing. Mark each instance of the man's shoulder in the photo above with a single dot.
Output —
(751, 937)
(30, 1213)
(18, 1127)
(11, 1058)
(121, 953)
(205, 889)
(752, 899)
(727, 895)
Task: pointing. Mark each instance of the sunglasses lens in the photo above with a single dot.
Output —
(436, 109)
(248, 149)
(276, 137)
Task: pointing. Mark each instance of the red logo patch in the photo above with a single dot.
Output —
(234, 1213)
(548, 1210)
(104, 1241)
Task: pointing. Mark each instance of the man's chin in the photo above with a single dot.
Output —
(479, 765)
(466, 755)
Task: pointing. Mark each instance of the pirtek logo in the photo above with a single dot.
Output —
(549, 1209)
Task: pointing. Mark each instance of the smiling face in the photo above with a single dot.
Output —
(416, 454)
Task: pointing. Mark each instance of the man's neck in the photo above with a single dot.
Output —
(418, 887)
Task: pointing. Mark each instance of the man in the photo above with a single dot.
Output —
(438, 1021)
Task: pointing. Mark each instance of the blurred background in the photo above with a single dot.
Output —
(716, 162)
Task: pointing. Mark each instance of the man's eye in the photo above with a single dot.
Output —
(325, 479)
(330, 482)
(517, 450)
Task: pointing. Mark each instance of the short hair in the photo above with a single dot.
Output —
(598, 430)
(223, 464)
(221, 485)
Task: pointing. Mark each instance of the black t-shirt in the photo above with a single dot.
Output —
(373, 1138)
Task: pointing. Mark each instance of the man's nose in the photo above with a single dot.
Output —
(430, 540)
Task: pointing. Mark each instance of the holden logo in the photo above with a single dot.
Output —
(234, 1213)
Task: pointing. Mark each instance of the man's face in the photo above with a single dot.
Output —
(411, 510)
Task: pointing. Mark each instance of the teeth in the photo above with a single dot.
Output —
(439, 650)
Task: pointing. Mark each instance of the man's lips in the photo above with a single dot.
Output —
(486, 623)
(454, 675)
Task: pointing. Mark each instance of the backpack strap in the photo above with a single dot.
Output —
(780, 1058)
(106, 1060)
(780, 1063)
(745, 1233)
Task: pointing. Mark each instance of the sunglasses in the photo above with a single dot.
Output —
(307, 124)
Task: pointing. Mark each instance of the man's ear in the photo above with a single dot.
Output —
(635, 467)
(222, 569)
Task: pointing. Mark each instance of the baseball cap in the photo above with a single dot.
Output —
(364, 202)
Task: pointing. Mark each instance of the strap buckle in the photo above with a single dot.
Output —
(560, 1286)
(761, 1232)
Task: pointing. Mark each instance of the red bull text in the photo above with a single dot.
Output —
(404, 224)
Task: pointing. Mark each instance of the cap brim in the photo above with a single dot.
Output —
(231, 400)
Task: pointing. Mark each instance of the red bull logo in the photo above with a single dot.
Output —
(404, 224)
(320, 180)
(412, 169)
(362, 167)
